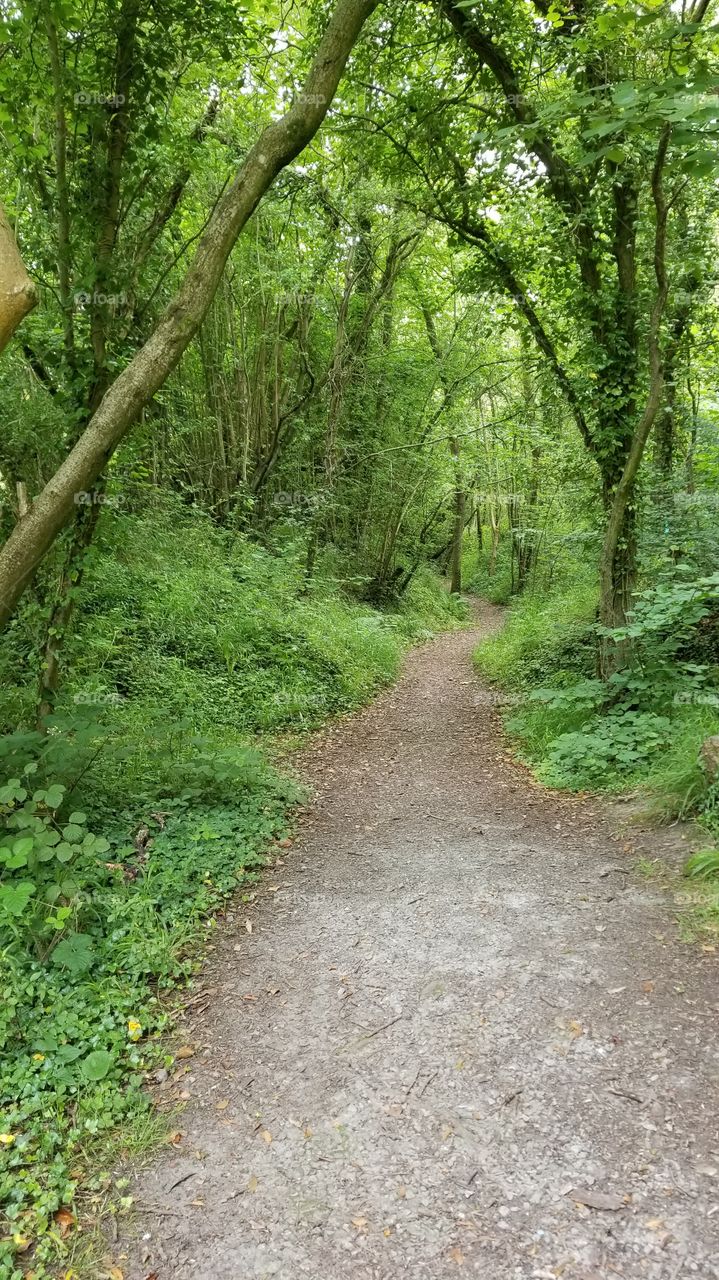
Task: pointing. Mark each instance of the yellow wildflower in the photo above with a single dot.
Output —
(134, 1029)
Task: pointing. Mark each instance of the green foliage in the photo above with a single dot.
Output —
(703, 865)
(542, 636)
(81, 1009)
(612, 747)
(642, 726)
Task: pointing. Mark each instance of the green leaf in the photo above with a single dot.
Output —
(75, 953)
(72, 832)
(54, 796)
(96, 1065)
(15, 897)
(78, 818)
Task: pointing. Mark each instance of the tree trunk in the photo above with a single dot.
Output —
(617, 567)
(455, 563)
(277, 146)
(18, 294)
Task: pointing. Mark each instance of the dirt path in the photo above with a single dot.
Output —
(464, 1007)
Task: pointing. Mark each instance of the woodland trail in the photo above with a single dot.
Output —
(458, 1005)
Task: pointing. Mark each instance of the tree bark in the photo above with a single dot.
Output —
(277, 146)
(18, 294)
(615, 588)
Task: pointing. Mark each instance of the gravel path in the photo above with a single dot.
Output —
(459, 1015)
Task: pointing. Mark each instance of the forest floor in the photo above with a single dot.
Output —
(456, 1033)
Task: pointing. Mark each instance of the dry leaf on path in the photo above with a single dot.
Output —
(252, 1184)
(222, 1106)
(266, 1136)
(186, 1051)
(456, 1255)
(597, 1199)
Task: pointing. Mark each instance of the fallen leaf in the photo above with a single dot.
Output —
(65, 1220)
(401, 1192)
(647, 988)
(597, 1199)
(654, 1224)
(248, 926)
(456, 1255)
(359, 1223)
(266, 1136)
(175, 1138)
(115, 1274)
(708, 948)
(576, 1028)
(153, 1275)
(308, 1132)
(223, 1105)
(252, 1184)
(387, 1231)
(185, 1052)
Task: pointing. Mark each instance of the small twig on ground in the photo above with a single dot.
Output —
(619, 1093)
(179, 1182)
(411, 1087)
(158, 1209)
(384, 1027)
(426, 1084)
(549, 1002)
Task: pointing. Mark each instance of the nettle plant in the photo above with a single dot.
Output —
(48, 869)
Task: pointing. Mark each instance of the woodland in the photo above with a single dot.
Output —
(321, 320)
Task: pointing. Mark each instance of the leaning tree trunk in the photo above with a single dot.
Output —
(277, 146)
(18, 294)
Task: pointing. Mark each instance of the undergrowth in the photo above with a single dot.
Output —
(643, 728)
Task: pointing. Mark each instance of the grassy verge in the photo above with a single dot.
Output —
(123, 829)
(642, 730)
